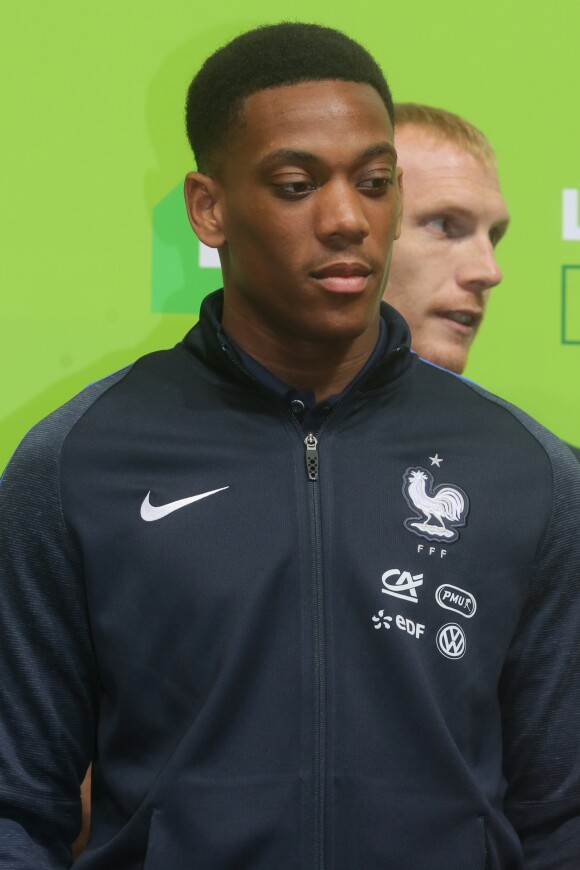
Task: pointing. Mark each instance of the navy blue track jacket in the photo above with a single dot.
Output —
(351, 649)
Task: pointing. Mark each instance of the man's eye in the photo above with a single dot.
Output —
(447, 228)
(440, 224)
(377, 183)
(295, 189)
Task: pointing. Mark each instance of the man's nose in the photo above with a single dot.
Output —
(340, 218)
(479, 270)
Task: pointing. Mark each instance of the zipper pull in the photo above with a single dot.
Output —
(311, 457)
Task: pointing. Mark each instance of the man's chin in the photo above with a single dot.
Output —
(332, 336)
(337, 326)
(453, 359)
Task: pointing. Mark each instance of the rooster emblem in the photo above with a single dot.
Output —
(438, 511)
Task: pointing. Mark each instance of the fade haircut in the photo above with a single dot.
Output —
(270, 56)
(450, 127)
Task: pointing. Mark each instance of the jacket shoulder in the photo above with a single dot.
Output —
(42, 445)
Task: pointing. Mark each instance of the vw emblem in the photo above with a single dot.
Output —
(451, 640)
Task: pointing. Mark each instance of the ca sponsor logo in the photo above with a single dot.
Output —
(451, 641)
(401, 584)
(456, 599)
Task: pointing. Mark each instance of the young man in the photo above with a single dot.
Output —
(444, 265)
(309, 602)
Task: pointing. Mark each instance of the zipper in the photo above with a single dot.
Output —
(311, 443)
(319, 640)
(235, 363)
(320, 712)
(319, 774)
(319, 719)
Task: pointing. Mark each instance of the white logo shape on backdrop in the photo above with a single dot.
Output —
(570, 226)
(208, 257)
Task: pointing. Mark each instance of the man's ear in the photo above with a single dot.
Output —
(203, 208)
(400, 186)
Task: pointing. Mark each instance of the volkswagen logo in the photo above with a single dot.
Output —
(451, 641)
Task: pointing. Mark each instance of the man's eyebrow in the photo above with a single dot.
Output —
(293, 155)
(379, 150)
(290, 155)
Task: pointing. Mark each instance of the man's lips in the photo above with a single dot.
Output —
(344, 277)
(464, 320)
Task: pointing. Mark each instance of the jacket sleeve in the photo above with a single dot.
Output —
(540, 689)
(48, 679)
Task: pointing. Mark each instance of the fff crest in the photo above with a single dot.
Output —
(439, 511)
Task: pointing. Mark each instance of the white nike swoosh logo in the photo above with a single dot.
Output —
(150, 512)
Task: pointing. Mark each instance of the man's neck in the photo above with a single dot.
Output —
(325, 367)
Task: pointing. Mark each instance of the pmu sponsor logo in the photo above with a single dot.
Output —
(456, 599)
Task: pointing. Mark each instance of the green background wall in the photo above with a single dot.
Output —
(97, 261)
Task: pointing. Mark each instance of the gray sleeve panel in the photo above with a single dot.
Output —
(48, 681)
(540, 689)
(575, 451)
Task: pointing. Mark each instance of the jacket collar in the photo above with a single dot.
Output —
(208, 342)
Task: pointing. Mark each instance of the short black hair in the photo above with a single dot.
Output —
(270, 56)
